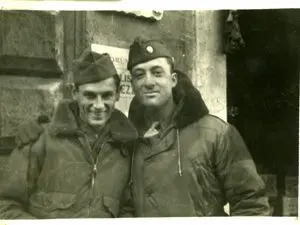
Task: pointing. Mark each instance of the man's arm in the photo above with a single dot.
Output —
(127, 205)
(244, 188)
(16, 181)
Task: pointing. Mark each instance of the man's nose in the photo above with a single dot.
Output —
(149, 81)
(99, 104)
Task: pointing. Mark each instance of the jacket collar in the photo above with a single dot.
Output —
(65, 122)
(190, 105)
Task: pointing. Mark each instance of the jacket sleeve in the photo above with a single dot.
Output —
(243, 187)
(127, 206)
(16, 182)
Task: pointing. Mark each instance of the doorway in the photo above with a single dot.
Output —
(263, 98)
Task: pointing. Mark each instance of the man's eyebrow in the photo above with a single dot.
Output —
(137, 69)
(106, 92)
(97, 93)
(156, 67)
(90, 93)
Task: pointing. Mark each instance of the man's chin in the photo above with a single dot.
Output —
(151, 103)
(97, 123)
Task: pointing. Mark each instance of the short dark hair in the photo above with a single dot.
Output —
(171, 63)
(116, 79)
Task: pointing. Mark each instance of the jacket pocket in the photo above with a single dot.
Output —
(112, 205)
(53, 200)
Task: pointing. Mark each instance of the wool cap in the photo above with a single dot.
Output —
(143, 50)
(92, 67)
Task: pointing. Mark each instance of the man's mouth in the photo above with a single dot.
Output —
(99, 115)
(151, 93)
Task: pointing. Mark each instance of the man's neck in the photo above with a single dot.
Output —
(97, 129)
(163, 114)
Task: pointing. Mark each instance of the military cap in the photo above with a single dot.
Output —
(143, 50)
(92, 67)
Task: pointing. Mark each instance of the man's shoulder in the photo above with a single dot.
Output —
(212, 122)
(121, 128)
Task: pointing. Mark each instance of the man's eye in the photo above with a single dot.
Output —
(107, 95)
(157, 72)
(89, 95)
(138, 74)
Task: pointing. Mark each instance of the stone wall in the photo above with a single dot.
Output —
(194, 38)
(30, 71)
(209, 68)
(37, 49)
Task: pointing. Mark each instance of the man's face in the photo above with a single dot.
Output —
(152, 82)
(97, 101)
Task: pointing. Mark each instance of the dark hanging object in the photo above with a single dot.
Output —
(233, 39)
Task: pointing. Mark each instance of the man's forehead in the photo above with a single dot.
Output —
(158, 62)
(101, 86)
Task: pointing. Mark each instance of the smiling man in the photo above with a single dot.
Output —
(186, 162)
(80, 165)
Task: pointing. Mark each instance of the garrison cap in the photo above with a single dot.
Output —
(92, 67)
(143, 50)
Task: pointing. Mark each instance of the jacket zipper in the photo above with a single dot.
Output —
(94, 171)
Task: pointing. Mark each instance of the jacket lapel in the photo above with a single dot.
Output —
(163, 144)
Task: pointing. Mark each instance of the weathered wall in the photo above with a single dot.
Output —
(23, 98)
(45, 44)
(209, 61)
(29, 68)
(193, 37)
(43, 47)
(176, 29)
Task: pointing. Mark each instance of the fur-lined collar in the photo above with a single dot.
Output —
(186, 96)
(64, 122)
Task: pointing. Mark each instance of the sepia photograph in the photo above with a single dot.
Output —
(158, 113)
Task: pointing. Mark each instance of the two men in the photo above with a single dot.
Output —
(80, 165)
(185, 161)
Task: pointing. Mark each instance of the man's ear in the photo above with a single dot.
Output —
(174, 79)
(74, 92)
(118, 94)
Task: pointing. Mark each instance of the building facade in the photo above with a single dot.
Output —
(37, 49)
